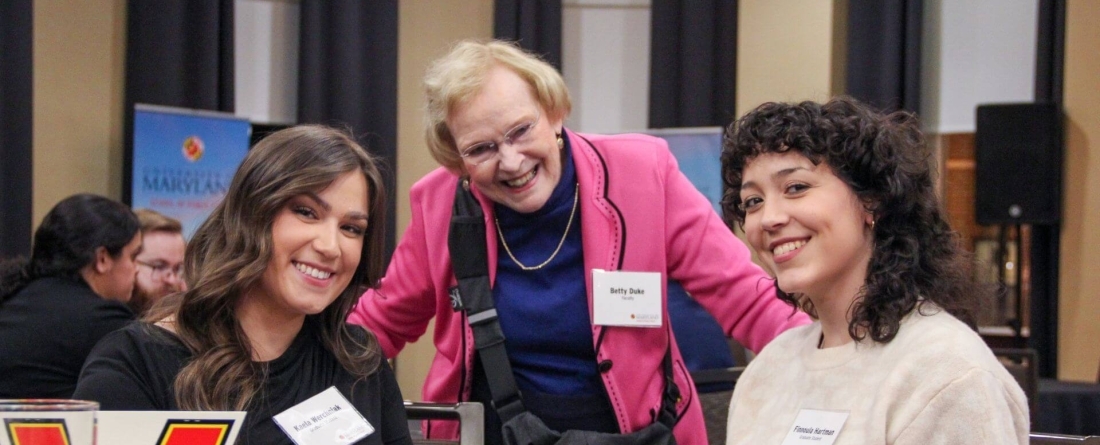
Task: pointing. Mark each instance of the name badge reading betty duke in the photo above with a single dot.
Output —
(326, 418)
(626, 298)
(816, 427)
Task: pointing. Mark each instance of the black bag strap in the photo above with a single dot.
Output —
(470, 263)
(671, 396)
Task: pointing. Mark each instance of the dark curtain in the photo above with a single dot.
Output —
(693, 62)
(535, 24)
(348, 78)
(1045, 244)
(884, 52)
(178, 53)
(16, 20)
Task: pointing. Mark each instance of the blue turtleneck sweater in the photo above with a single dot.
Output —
(544, 313)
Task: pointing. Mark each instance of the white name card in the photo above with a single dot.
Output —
(816, 427)
(324, 419)
(626, 299)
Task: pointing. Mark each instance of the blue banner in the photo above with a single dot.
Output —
(698, 151)
(184, 160)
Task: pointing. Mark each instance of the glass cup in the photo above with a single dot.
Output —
(47, 422)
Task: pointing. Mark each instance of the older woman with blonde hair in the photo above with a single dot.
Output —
(561, 284)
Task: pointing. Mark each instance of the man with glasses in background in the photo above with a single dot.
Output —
(160, 263)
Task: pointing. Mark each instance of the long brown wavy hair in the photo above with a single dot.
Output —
(230, 251)
(884, 159)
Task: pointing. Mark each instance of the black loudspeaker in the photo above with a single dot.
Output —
(1018, 149)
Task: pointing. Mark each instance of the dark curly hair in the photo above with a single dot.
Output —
(884, 159)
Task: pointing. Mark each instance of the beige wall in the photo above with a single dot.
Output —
(785, 51)
(1079, 285)
(426, 30)
(79, 54)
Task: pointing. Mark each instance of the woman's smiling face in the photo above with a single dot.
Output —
(806, 224)
(527, 165)
(317, 241)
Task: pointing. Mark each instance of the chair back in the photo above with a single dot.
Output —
(1023, 364)
(470, 417)
(716, 405)
(1061, 439)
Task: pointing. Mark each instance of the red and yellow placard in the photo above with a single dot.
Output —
(37, 432)
(195, 432)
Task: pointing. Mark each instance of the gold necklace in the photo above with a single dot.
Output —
(576, 195)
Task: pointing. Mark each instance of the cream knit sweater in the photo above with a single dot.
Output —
(935, 383)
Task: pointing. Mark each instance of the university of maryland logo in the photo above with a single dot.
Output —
(193, 148)
(37, 431)
(195, 432)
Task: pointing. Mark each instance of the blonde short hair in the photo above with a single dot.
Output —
(154, 221)
(461, 73)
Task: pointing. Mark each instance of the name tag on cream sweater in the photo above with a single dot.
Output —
(816, 427)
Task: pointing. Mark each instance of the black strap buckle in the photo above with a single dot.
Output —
(509, 408)
(483, 317)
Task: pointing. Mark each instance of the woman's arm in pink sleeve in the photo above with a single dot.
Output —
(399, 309)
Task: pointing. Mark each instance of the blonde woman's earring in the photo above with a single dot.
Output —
(561, 142)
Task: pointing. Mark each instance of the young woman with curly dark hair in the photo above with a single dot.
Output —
(838, 201)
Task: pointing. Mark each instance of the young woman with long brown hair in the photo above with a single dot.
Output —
(272, 275)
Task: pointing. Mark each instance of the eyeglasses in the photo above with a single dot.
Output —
(162, 270)
(519, 136)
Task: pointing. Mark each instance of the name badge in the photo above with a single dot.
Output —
(326, 418)
(816, 427)
(626, 299)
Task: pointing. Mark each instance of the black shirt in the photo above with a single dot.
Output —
(134, 369)
(47, 330)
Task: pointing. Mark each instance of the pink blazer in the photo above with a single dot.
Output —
(638, 213)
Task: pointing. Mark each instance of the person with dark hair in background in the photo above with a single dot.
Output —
(72, 291)
(272, 274)
(839, 201)
(160, 263)
(563, 216)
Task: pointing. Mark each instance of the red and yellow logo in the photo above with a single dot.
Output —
(195, 432)
(193, 148)
(37, 432)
